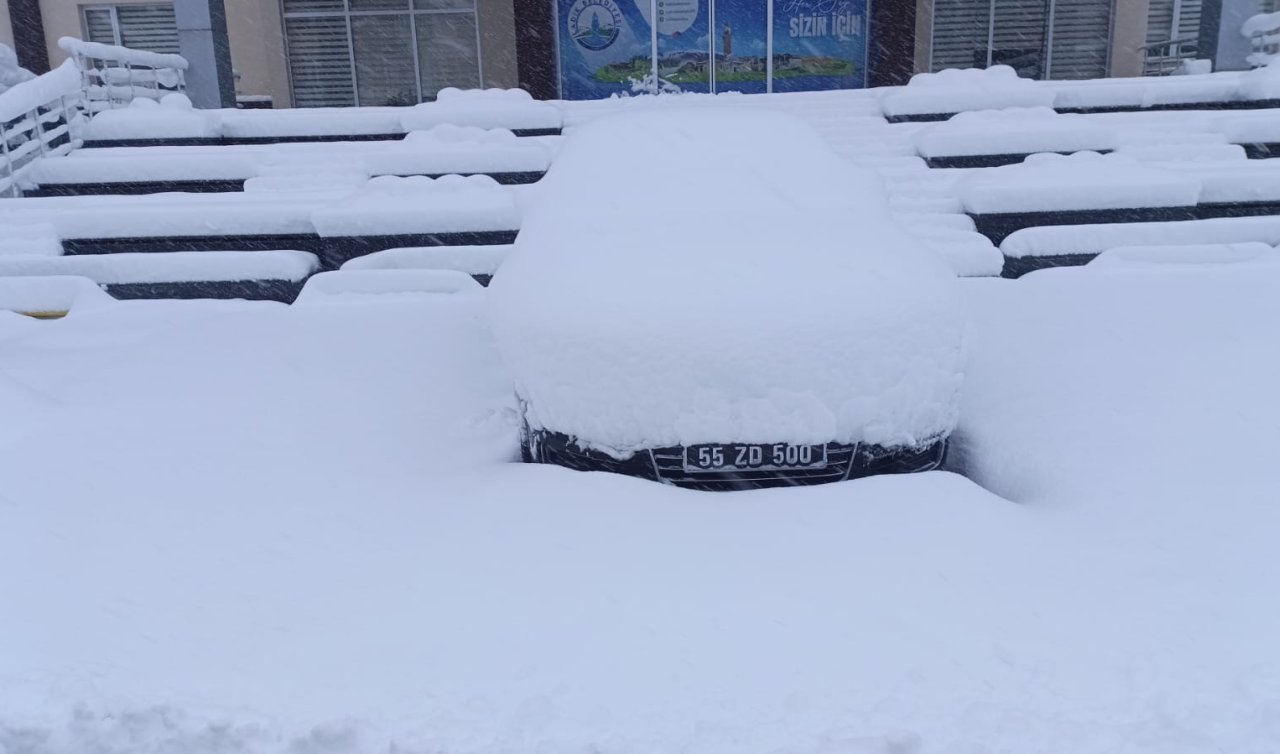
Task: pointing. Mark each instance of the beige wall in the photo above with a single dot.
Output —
(1128, 34)
(498, 42)
(254, 28)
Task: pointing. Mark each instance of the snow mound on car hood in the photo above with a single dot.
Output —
(696, 276)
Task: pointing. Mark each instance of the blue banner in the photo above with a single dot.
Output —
(605, 45)
(819, 44)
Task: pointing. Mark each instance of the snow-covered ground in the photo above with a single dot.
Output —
(233, 527)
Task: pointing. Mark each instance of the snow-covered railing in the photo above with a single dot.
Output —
(1263, 31)
(115, 76)
(1164, 58)
(39, 117)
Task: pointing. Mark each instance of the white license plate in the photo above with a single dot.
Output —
(778, 456)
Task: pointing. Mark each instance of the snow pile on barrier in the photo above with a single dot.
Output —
(168, 267)
(392, 205)
(1148, 257)
(1081, 181)
(486, 108)
(170, 118)
(752, 295)
(49, 294)
(473, 260)
(346, 285)
(958, 89)
(1015, 130)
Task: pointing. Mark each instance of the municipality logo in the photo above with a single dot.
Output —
(595, 24)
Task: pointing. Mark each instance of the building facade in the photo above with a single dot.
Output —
(310, 53)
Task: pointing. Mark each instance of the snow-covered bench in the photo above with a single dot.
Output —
(444, 150)
(511, 109)
(1037, 248)
(480, 262)
(257, 275)
(337, 224)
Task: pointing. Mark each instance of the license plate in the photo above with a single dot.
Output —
(776, 456)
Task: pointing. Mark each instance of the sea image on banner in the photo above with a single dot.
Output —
(597, 37)
(819, 44)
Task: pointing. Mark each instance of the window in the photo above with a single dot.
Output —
(379, 52)
(1055, 39)
(142, 27)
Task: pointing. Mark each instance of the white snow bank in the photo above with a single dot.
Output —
(630, 328)
(172, 214)
(1255, 128)
(1094, 239)
(1191, 256)
(25, 96)
(98, 169)
(461, 149)
(1261, 83)
(167, 267)
(301, 178)
(390, 205)
(473, 260)
(346, 286)
(11, 74)
(29, 239)
(1260, 23)
(955, 90)
(1013, 131)
(147, 119)
(1082, 181)
(968, 252)
(317, 121)
(35, 295)
(1183, 152)
(1243, 181)
(486, 108)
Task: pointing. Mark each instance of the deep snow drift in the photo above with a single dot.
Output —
(715, 322)
(256, 528)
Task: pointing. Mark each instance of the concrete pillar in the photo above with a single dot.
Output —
(28, 35)
(1128, 35)
(202, 40)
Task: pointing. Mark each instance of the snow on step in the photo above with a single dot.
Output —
(170, 118)
(143, 167)
(168, 267)
(486, 108)
(957, 90)
(473, 260)
(1192, 256)
(347, 285)
(1082, 181)
(460, 149)
(48, 295)
(320, 121)
(968, 252)
(29, 239)
(391, 205)
(1013, 131)
(1094, 239)
(1257, 127)
(1241, 181)
(379, 206)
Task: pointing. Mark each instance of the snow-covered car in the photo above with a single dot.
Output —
(714, 299)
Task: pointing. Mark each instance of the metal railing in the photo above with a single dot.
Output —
(1165, 58)
(115, 76)
(45, 116)
(40, 117)
(1263, 31)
